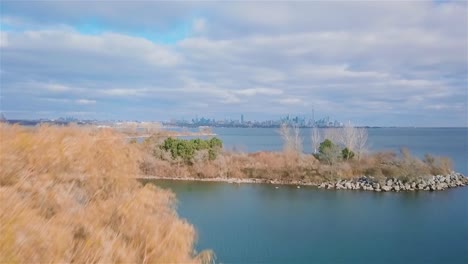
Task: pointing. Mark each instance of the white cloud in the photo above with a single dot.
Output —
(95, 48)
(3, 39)
(355, 58)
(258, 91)
(337, 72)
(291, 101)
(55, 87)
(123, 92)
(445, 106)
(56, 100)
(85, 101)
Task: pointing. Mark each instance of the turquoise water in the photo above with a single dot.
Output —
(255, 223)
(450, 142)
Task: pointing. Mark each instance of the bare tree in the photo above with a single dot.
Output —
(291, 138)
(316, 139)
(297, 139)
(361, 141)
(286, 136)
(349, 136)
(333, 134)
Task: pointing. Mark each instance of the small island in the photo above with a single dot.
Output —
(340, 161)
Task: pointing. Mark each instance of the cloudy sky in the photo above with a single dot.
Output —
(376, 63)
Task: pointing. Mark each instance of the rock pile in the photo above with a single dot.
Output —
(431, 183)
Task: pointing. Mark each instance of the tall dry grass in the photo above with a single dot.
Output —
(293, 166)
(68, 194)
(405, 166)
(234, 165)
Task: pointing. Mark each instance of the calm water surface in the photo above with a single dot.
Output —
(255, 223)
(252, 223)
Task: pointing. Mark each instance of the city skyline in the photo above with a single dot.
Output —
(297, 120)
(398, 63)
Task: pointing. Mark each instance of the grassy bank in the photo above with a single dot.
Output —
(332, 162)
(68, 194)
(283, 168)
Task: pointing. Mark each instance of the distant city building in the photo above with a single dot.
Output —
(300, 121)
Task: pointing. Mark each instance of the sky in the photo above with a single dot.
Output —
(396, 63)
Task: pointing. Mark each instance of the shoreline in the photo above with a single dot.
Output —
(433, 183)
(217, 179)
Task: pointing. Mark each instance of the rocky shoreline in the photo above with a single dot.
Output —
(431, 183)
(366, 183)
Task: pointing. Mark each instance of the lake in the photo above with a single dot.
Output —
(255, 223)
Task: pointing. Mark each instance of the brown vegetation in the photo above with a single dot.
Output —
(404, 167)
(293, 166)
(68, 194)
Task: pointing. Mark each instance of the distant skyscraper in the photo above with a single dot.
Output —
(242, 119)
(313, 116)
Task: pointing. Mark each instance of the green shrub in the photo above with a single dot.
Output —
(347, 154)
(325, 144)
(186, 149)
(329, 152)
(215, 143)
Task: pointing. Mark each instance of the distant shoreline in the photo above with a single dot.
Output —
(32, 122)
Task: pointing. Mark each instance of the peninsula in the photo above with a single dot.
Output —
(341, 162)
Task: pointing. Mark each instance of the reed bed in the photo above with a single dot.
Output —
(69, 194)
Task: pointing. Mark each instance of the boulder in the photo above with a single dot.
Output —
(386, 188)
(348, 185)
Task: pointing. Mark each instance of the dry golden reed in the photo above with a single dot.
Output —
(69, 194)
